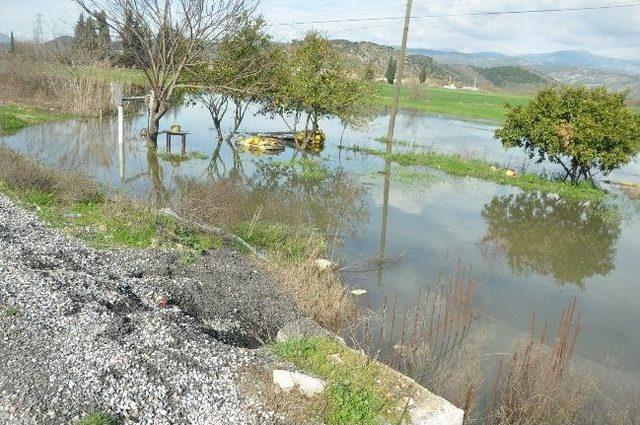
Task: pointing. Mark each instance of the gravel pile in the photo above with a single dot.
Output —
(130, 333)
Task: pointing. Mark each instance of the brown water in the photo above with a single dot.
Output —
(526, 252)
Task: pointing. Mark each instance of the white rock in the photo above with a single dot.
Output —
(323, 264)
(359, 291)
(307, 385)
(443, 414)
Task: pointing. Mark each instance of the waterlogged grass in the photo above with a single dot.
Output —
(174, 158)
(357, 390)
(306, 169)
(488, 106)
(14, 118)
(467, 167)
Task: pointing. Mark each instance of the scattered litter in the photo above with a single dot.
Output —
(359, 291)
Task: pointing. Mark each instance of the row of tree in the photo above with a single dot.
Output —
(220, 53)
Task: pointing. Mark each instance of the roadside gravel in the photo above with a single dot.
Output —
(130, 333)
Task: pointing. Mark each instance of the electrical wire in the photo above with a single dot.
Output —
(464, 14)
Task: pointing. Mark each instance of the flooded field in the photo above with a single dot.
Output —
(526, 252)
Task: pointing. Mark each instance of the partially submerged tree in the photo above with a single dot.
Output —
(172, 35)
(244, 69)
(318, 82)
(583, 130)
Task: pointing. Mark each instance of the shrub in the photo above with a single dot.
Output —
(583, 130)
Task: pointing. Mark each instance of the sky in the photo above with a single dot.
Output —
(614, 32)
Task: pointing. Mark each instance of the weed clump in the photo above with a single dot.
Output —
(358, 391)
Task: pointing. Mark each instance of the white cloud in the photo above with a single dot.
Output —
(614, 32)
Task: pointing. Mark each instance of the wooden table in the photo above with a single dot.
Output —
(183, 140)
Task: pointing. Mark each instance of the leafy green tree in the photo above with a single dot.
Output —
(423, 74)
(85, 37)
(583, 130)
(545, 234)
(103, 37)
(132, 35)
(390, 74)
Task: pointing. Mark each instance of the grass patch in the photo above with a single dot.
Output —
(357, 391)
(459, 166)
(14, 118)
(96, 418)
(176, 159)
(489, 106)
(291, 245)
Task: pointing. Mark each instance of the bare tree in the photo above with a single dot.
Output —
(172, 36)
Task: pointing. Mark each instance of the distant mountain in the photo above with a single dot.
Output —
(462, 73)
(545, 62)
(453, 57)
(4, 38)
(578, 58)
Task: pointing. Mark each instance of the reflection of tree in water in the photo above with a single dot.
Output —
(541, 233)
(161, 194)
(310, 192)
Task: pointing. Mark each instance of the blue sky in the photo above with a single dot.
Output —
(607, 32)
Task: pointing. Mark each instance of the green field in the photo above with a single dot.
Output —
(487, 106)
(14, 118)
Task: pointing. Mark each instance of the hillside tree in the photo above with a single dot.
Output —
(12, 44)
(584, 130)
(423, 74)
(390, 73)
(173, 35)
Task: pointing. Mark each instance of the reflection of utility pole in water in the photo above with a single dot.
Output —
(121, 130)
(383, 227)
(390, 131)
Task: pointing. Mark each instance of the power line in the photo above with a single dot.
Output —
(467, 14)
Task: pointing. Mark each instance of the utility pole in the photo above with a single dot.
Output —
(398, 82)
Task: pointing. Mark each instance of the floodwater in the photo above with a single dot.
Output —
(526, 252)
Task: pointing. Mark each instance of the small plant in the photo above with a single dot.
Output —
(96, 418)
(10, 311)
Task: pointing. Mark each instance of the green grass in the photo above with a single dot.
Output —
(486, 106)
(459, 166)
(118, 223)
(358, 392)
(14, 118)
(96, 418)
(284, 241)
